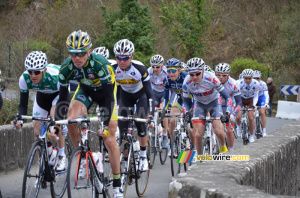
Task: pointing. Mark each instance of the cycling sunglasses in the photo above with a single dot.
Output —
(256, 78)
(173, 71)
(195, 74)
(80, 54)
(247, 78)
(34, 72)
(126, 58)
(155, 67)
(222, 75)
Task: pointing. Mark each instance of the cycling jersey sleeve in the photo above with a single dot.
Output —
(147, 87)
(24, 96)
(255, 98)
(228, 101)
(238, 101)
(187, 103)
(266, 93)
(62, 104)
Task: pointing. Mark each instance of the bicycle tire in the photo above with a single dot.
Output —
(245, 133)
(152, 159)
(59, 185)
(78, 185)
(33, 173)
(163, 153)
(205, 146)
(175, 148)
(142, 178)
(258, 128)
(125, 172)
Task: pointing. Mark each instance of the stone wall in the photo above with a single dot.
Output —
(273, 170)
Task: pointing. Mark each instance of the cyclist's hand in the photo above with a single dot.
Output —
(225, 118)
(53, 134)
(17, 124)
(104, 132)
(150, 122)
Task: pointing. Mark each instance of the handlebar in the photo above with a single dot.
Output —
(132, 119)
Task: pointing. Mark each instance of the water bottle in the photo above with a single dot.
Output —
(98, 161)
(43, 129)
(52, 152)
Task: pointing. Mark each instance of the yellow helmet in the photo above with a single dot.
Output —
(78, 41)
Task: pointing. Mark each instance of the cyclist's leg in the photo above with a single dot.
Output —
(229, 134)
(251, 117)
(78, 107)
(262, 104)
(175, 110)
(198, 126)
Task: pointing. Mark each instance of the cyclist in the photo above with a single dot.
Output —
(249, 88)
(173, 83)
(263, 100)
(95, 85)
(205, 88)
(158, 73)
(2, 84)
(223, 73)
(135, 89)
(43, 78)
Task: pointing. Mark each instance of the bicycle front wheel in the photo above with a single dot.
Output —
(80, 178)
(258, 128)
(33, 173)
(175, 151)
(153, 152)
(245, 133)
(142, 178)
(59, 185)
(125, 166)
(163, 153)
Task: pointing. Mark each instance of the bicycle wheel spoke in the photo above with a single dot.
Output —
(125, 166)
(33, 172)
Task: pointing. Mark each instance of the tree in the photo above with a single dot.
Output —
(186, 24)
(133, 22)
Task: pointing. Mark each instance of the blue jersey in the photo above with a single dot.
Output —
(175, 87)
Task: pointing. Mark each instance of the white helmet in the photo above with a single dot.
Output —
(103, 51)
(256, 74)
(247, 73)
(223, 68)
(124, 47)
(195, 64)
(183, 66)
(36, 60)
(157, 60)
(241, 76)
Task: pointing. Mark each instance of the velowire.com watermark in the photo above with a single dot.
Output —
(187, 157)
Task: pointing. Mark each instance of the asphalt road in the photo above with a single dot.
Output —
(160, 176)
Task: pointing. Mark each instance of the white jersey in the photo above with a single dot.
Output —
(249, 91)
(204, 92)
(231, 88)
(263, 88)
(157, 81)
(131, 80)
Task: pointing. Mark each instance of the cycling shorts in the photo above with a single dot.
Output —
(80, 95)
(214, 108)
(247, 102)
(261, 101)
(43, 103)
(157, 98)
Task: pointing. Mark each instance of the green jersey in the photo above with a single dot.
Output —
(48, 84)
(92, 75)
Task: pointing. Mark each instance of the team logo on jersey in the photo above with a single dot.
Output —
(81, 97)
(36, 114)
(132, 73)
(89, 70)
(70, 67)
(100, 73)
(76, 73)
(145, 75)
(215, 80)
(118, 72)
(86, 81)
(61, 77)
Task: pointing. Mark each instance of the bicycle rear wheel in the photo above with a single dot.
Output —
(80, 183)
(175, 151)
(154, 152)
(163, 153)
(33, 173)
(125, 166)
(59, 185)
(258, 128)
(142, 178)
(245, 133)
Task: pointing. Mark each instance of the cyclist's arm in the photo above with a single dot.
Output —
(228, 101)
(266, 93)
(166, 99)
(238, 101)
(24, 96)
(62, 104)
(187, 100)
(147, 87)
(255, 98)
(108, 89)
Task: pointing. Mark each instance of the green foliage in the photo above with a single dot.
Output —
(186, 24)
(23, 4)
(9, 110)
(239, 64)
(58, 4)
(133, 22)
(144, 59)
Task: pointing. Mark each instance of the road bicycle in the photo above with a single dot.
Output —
(129, 158)
(177, 143)
(86, 176)
(157, 147)
(258, 126)
(245, 124)
(38, 170)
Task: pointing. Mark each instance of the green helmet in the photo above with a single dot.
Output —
(78, 41)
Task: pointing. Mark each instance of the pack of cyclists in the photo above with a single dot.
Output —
(192, 89)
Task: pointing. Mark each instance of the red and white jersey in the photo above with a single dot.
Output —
(232, 88)
(205, 91)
